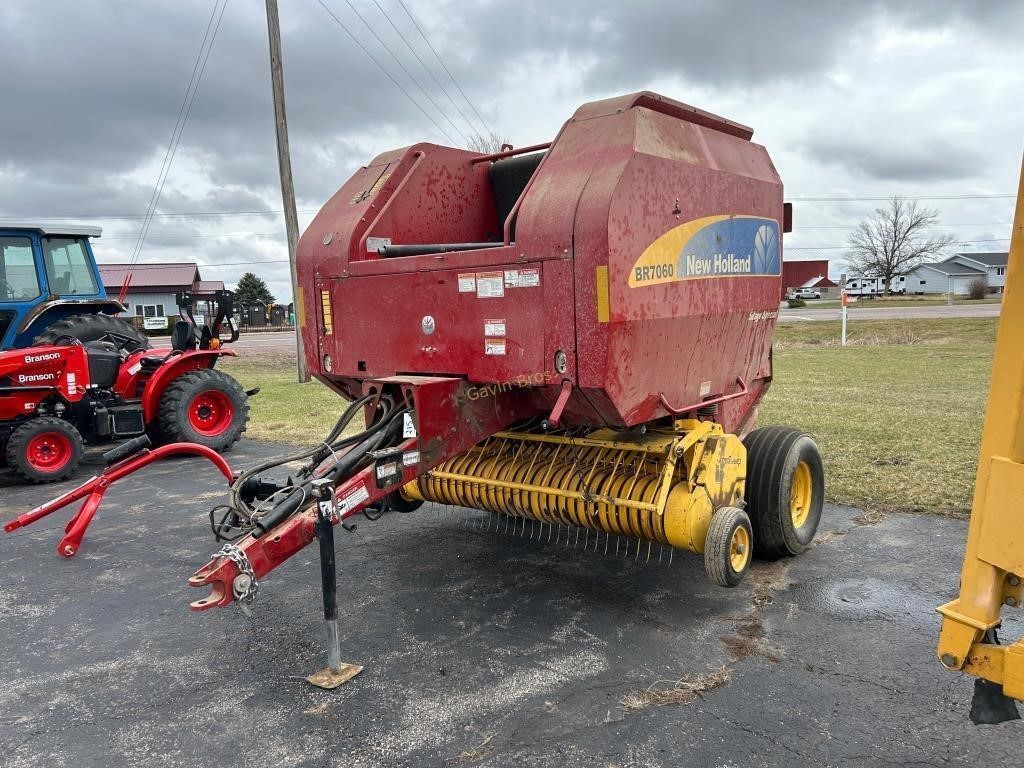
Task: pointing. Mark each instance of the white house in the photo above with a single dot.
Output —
(958, 272)
(992, 263)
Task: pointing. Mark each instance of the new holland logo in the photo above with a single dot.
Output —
(715, 246)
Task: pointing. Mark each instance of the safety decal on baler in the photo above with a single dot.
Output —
(713, 246)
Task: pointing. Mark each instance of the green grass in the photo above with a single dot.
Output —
(284, 410)
(897, 413)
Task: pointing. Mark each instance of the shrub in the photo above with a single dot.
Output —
(797, 303)
(976, 289)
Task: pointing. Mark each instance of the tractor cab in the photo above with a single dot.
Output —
(48, 275)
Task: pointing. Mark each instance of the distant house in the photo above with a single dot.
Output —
(152, 287)
(957, 273)
(993, 263)
(796, 274)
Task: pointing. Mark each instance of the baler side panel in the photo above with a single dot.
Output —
(380, 327)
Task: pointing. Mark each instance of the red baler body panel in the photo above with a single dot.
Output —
(647, 250)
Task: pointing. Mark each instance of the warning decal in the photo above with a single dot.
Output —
(490, 285)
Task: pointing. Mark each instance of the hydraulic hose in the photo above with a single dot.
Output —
(389, 431)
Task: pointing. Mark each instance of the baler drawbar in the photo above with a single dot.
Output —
(576, 334)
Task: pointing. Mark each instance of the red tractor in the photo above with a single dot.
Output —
(57, 397)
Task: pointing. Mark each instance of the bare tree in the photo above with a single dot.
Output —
(487, 145)
(895, 241)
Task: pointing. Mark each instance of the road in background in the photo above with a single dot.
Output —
(809, 313)
(282, 342)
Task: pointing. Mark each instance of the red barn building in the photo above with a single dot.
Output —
(797, 273)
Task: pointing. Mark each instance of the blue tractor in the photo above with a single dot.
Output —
(50, 289)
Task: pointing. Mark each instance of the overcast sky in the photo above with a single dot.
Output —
(852, 100)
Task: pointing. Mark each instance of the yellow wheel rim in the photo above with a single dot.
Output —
(739, 549)
(800, 495)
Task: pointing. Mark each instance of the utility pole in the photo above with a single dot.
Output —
(284, 165)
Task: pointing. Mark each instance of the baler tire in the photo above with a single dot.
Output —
(34, 458)
(399, 503)
(177, 424)
(778, 458)
(87, 328)
(728, 548)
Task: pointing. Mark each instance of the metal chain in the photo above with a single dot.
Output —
(237, 556)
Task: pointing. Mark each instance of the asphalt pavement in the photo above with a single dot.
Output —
(868, 312)
(480, 647)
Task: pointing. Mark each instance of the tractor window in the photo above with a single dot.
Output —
(67, 267)
(18, 281)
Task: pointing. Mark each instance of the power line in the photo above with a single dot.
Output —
(939, 226)
(130, 216)
(846, 247)
(426, 69)
(445, 68)
(119, 265)
(904, 197)
(407, 72)
(179, 126)
(380, 66)
(279, 235)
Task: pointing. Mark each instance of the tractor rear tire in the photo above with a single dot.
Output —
(87, 328)
(206, 407)
(728, 548)
(45, 449)
(785, 490)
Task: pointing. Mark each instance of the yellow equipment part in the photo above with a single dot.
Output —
(662, 486)
(994, 559)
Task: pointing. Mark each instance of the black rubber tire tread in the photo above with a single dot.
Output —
(399, 503)
(15, 449)
(91, 328)
(773, 454)
(172, 413)
(717, 546)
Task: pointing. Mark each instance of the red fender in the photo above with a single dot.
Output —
(190, 360)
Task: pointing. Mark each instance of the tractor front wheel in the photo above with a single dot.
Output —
(206, 407)
(44, 449)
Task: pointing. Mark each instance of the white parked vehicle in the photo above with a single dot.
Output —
(805, 293)
(874, 286)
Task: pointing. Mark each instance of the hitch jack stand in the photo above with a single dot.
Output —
(336, 672)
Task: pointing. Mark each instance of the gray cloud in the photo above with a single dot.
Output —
(93, 90)
(897, 157)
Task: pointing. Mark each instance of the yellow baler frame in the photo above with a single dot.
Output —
(993, 566)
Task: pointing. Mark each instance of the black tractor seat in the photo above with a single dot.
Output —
(184, 336)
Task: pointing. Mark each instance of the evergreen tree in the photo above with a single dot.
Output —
(252, 289)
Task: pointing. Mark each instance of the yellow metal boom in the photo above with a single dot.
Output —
(994, 559)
